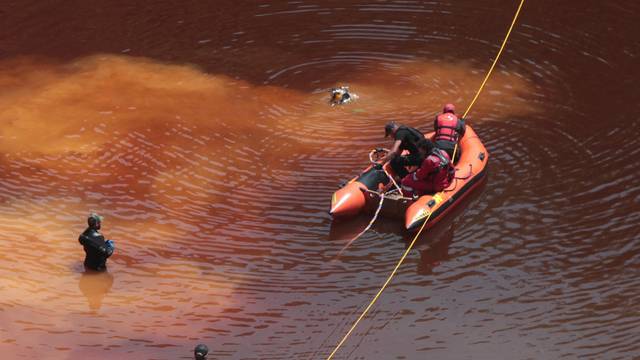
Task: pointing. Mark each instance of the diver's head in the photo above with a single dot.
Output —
(94, 221)
(200, 352)
(339, 94)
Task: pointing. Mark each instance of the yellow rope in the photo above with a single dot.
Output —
(375, 298)
(453, 157)
(406, 252)
(495, 61)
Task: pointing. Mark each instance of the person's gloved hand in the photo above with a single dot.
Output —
(111, 244)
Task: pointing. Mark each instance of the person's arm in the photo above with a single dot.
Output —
(104, 248)
(435, 123)
(97, 243)
(395, 151)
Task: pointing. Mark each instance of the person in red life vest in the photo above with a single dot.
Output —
(434, 174)
(404, 138)
(449, 130)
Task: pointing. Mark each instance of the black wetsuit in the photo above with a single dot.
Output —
(409, 137)
(96, 249)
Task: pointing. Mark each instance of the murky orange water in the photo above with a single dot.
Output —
(202, 133)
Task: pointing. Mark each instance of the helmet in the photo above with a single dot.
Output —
(336, 95)
(449, 108)
(200, 352)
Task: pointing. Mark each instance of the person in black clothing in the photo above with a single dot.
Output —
(405, 138)
(97, 250)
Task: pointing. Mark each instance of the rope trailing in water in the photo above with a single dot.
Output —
(375, 298)
(375, 216)
(495, 61)
(406, 252)
(504, 42)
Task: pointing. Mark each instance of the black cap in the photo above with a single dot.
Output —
(388, 129)
(201, 351)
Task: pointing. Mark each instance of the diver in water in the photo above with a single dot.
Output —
(200, 352)
(341, 96)
(97, 250)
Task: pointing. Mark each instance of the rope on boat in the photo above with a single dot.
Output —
(375, 215)
(392, 180)
(406, 252)
(375, 298)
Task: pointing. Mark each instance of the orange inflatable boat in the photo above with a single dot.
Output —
(363, 193)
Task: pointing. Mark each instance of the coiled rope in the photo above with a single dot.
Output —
(406, 252)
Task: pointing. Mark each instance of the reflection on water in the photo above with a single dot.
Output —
(95, 286)
(435, 252)
(202, 132)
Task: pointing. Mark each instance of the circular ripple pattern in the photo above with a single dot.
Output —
(204, 137)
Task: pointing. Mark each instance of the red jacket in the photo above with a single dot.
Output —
(432, 176)
(448, 127)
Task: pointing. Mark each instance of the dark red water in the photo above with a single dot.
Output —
(200, 130)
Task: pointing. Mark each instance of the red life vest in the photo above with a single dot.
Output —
(447, 127)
